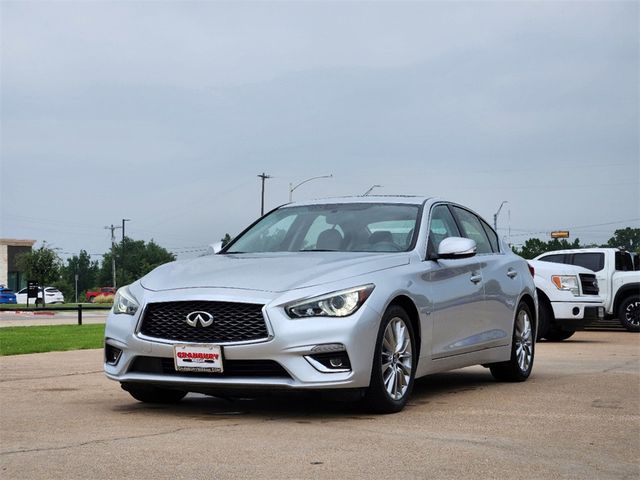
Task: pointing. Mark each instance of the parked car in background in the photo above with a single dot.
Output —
(105, 291)
(360, 294)
(7, 295)
(568, 299)
(52, 295)
(618, 279)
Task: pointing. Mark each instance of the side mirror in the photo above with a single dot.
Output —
(453, 248)
(214, 248)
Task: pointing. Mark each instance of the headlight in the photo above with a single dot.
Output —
(125, 302)
(335, 304)
(567, 282)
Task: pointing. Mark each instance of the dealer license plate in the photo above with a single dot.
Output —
(198, 358)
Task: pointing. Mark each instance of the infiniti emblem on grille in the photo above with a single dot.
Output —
(204, 318)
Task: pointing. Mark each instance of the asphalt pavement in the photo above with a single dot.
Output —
(578, 417)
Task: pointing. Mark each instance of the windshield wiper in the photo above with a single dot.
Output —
(317, 250)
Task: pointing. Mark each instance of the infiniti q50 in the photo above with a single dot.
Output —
(361, 294)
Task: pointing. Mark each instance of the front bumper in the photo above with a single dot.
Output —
(289, 343)
(573, 316)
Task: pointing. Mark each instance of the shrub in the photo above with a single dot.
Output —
(103, 298)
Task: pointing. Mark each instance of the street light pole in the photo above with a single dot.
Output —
(495, 215)
(292, 188)
(369, 191)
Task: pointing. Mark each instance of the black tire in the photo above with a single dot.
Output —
(629, 313)
(558, 335)
(152, 394)
(545, 319)
(377, 397)
(516, 369)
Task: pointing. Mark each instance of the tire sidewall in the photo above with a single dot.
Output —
(623, 310)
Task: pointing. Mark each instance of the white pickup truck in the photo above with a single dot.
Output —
(568, 299)
(618, 279)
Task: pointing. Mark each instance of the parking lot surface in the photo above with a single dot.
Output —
(577, 417)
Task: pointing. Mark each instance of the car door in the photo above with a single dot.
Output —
(493, 321)
(455, 288)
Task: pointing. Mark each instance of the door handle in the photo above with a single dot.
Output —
(475, 278)
(511, 273)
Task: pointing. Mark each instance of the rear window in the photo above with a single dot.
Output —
(592, 261)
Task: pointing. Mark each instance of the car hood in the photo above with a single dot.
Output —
(269, 272)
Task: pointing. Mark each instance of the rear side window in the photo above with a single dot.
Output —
(558, 258)
(493, 236)
(472, 228)
(592, 261)
(624, 262)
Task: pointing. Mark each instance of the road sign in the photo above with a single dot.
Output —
(560, 234)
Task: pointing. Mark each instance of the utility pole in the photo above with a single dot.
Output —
(113, 251)
(122, 262)
(263, 177)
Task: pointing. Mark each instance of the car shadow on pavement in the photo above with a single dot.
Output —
(306, 407)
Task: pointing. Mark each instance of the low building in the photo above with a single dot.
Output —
(10, 249)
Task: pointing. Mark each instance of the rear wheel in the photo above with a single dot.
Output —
(629, 313)
(153, 394)
(394, 362)
(518, 367)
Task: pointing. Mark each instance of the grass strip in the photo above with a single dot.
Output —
(56, 306)
(50, 338)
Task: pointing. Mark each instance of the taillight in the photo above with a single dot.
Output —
(532, 270)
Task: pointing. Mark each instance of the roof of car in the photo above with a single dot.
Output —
(400, 199)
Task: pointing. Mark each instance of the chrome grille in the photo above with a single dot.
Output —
(232, 322)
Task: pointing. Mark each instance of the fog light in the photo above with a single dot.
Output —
(330, 362)
(576, 310)
(111, 354)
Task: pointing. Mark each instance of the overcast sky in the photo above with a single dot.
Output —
(166, 112)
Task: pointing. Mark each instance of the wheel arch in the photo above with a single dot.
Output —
(407, 304)
(624, 292)
(530, 302)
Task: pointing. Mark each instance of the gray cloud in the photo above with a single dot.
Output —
(166, 112)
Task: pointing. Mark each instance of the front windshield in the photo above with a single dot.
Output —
(347, 227)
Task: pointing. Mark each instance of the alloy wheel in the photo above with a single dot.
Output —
(524, 341)
(397, 358)
(632, 314)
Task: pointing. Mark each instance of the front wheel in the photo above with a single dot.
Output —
(629, 313)
(394, 363)
(519, 366)
(153, 394)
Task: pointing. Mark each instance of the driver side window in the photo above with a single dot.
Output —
(442, 226)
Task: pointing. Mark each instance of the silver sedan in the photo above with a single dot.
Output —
(360, 294)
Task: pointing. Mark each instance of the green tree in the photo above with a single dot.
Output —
(139, 259)
(225, 240)
(87, 271)
(534, 247)
(626, 238)
(41, 265)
